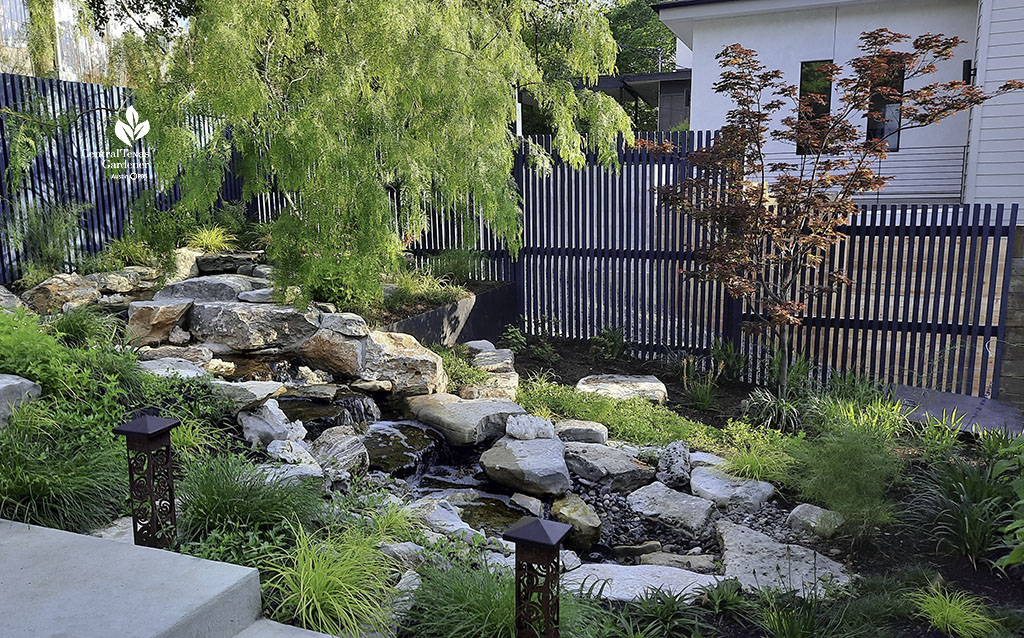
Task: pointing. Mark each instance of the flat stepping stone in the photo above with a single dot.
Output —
(673, 508)
(621, 386)
(581, 431)
(703, 563)
(534, 466)
(172, 367)
(607, 465)
(979, 413)
(463, 421)
(730, 492)
(758, 561)
(624, 583)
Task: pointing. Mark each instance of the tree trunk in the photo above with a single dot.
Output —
(783, 360)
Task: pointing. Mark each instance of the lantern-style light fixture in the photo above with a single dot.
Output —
(150, 479)
(538, 569)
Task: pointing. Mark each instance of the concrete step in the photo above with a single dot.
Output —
(56, 584)
(269, 629)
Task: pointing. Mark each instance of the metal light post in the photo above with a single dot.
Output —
(150, 479)
(537, 572)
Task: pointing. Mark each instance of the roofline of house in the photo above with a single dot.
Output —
(684, 3)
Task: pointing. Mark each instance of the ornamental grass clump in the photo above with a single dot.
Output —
(955, 613)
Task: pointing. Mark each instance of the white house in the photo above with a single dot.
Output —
(970, 157)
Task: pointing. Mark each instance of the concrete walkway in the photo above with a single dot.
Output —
(56, 584)
(979, 413)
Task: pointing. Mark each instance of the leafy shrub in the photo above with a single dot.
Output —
(954, 613)
(849, 472)
(211, 239)
(418, 287)
(457, 266)
(608, 344)
(45, 233)
(83, 326)
(240, 545)
(635, 420)
(461, 601)
(27, 349)
(334, 582)
(458, 367)
(227, 491)
(543, 350)
(962, 507)
(33, 274)
(940, 436)
(129, 250)
(727, 601)
(771, 411)
(700, 389)
(512, 337)
(732, 362)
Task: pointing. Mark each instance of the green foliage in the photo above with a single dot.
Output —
(771, 411)
(761, 453)
(825, 477)
(635, 420)
(608, 344)
(729, 359)
(129, 250)
(880, 416)
(353, 111)
(462, 601)
(512, 337)
(784, 615)
(414, 287)
(962, 507)
(940, 436)
(211, 239)
(726, 600)
(456, 265)
(954, 613)
(83, 326)
(332, 581)
(42, 37)
(226, 491)
(457, 366)
(45, 233)
(27, 349)
(663, 614)
(241, 545)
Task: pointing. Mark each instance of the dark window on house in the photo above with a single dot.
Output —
(886, 103)
(814, 80)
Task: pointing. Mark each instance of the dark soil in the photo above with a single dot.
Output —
(577, 360)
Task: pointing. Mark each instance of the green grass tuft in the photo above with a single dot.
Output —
(954, 613)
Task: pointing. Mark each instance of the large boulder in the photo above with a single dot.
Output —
(527, 426)
(400, 359)
(672, 508)
(581, 431)
(151, 322)
(335, 352)
(9, 300)
(536, 466)
(586, 525)
(497, 385)
(621, 386)
(246, 395)
(64, 291)
(340, 452)
(441, 517)
(674, 465)
(758, 561)
(345, 323)
(625, 583)
(495, 360)
(209, 288)
(267, 423)
(463, 421)
(14, 391)
(616, 468)
(812, 519)
(730, 492)
(227, 262)
(245, 327)
(184, 264)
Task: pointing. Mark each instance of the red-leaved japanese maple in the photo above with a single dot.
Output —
(773, 223)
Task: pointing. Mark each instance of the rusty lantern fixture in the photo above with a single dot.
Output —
(537, 571)
(150, 479)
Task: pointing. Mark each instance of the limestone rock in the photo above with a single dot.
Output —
(603, 464)
(526, 426)
(9, 300)
(400, 359)
(586, 525)
(289, 472)
(463, 421)
(335, 352)
(620, 386)
(118, 281)
(703, 563)
(706, 459)
(674, 465)
(14, 391)
(635, 551)
(345, 323)
(624, 583)
(245, 326)
(248, 394)
(497, 385)
(61, 292)
(758, 561)
(536, 466)
(581, 431)
(227, 262)
(814, 520)
(340, 452)
(172, 367)
(441, 517)
(268, 423)
(533, 506)
(730, 492)
(262, 270)
(290, 451)
(220, 367)
(495, 360)
(405, 554)
(478, 346)
(260, 295)
(184, 264)
(179, 336)
(673, 508)
(151, 322)
(195, 354)
(209, 288)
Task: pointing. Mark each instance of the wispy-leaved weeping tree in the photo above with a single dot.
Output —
(339, 105)
(772, 224)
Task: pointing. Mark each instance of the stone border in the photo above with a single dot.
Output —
(482, 316)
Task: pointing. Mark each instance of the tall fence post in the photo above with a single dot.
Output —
(1009, 372)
